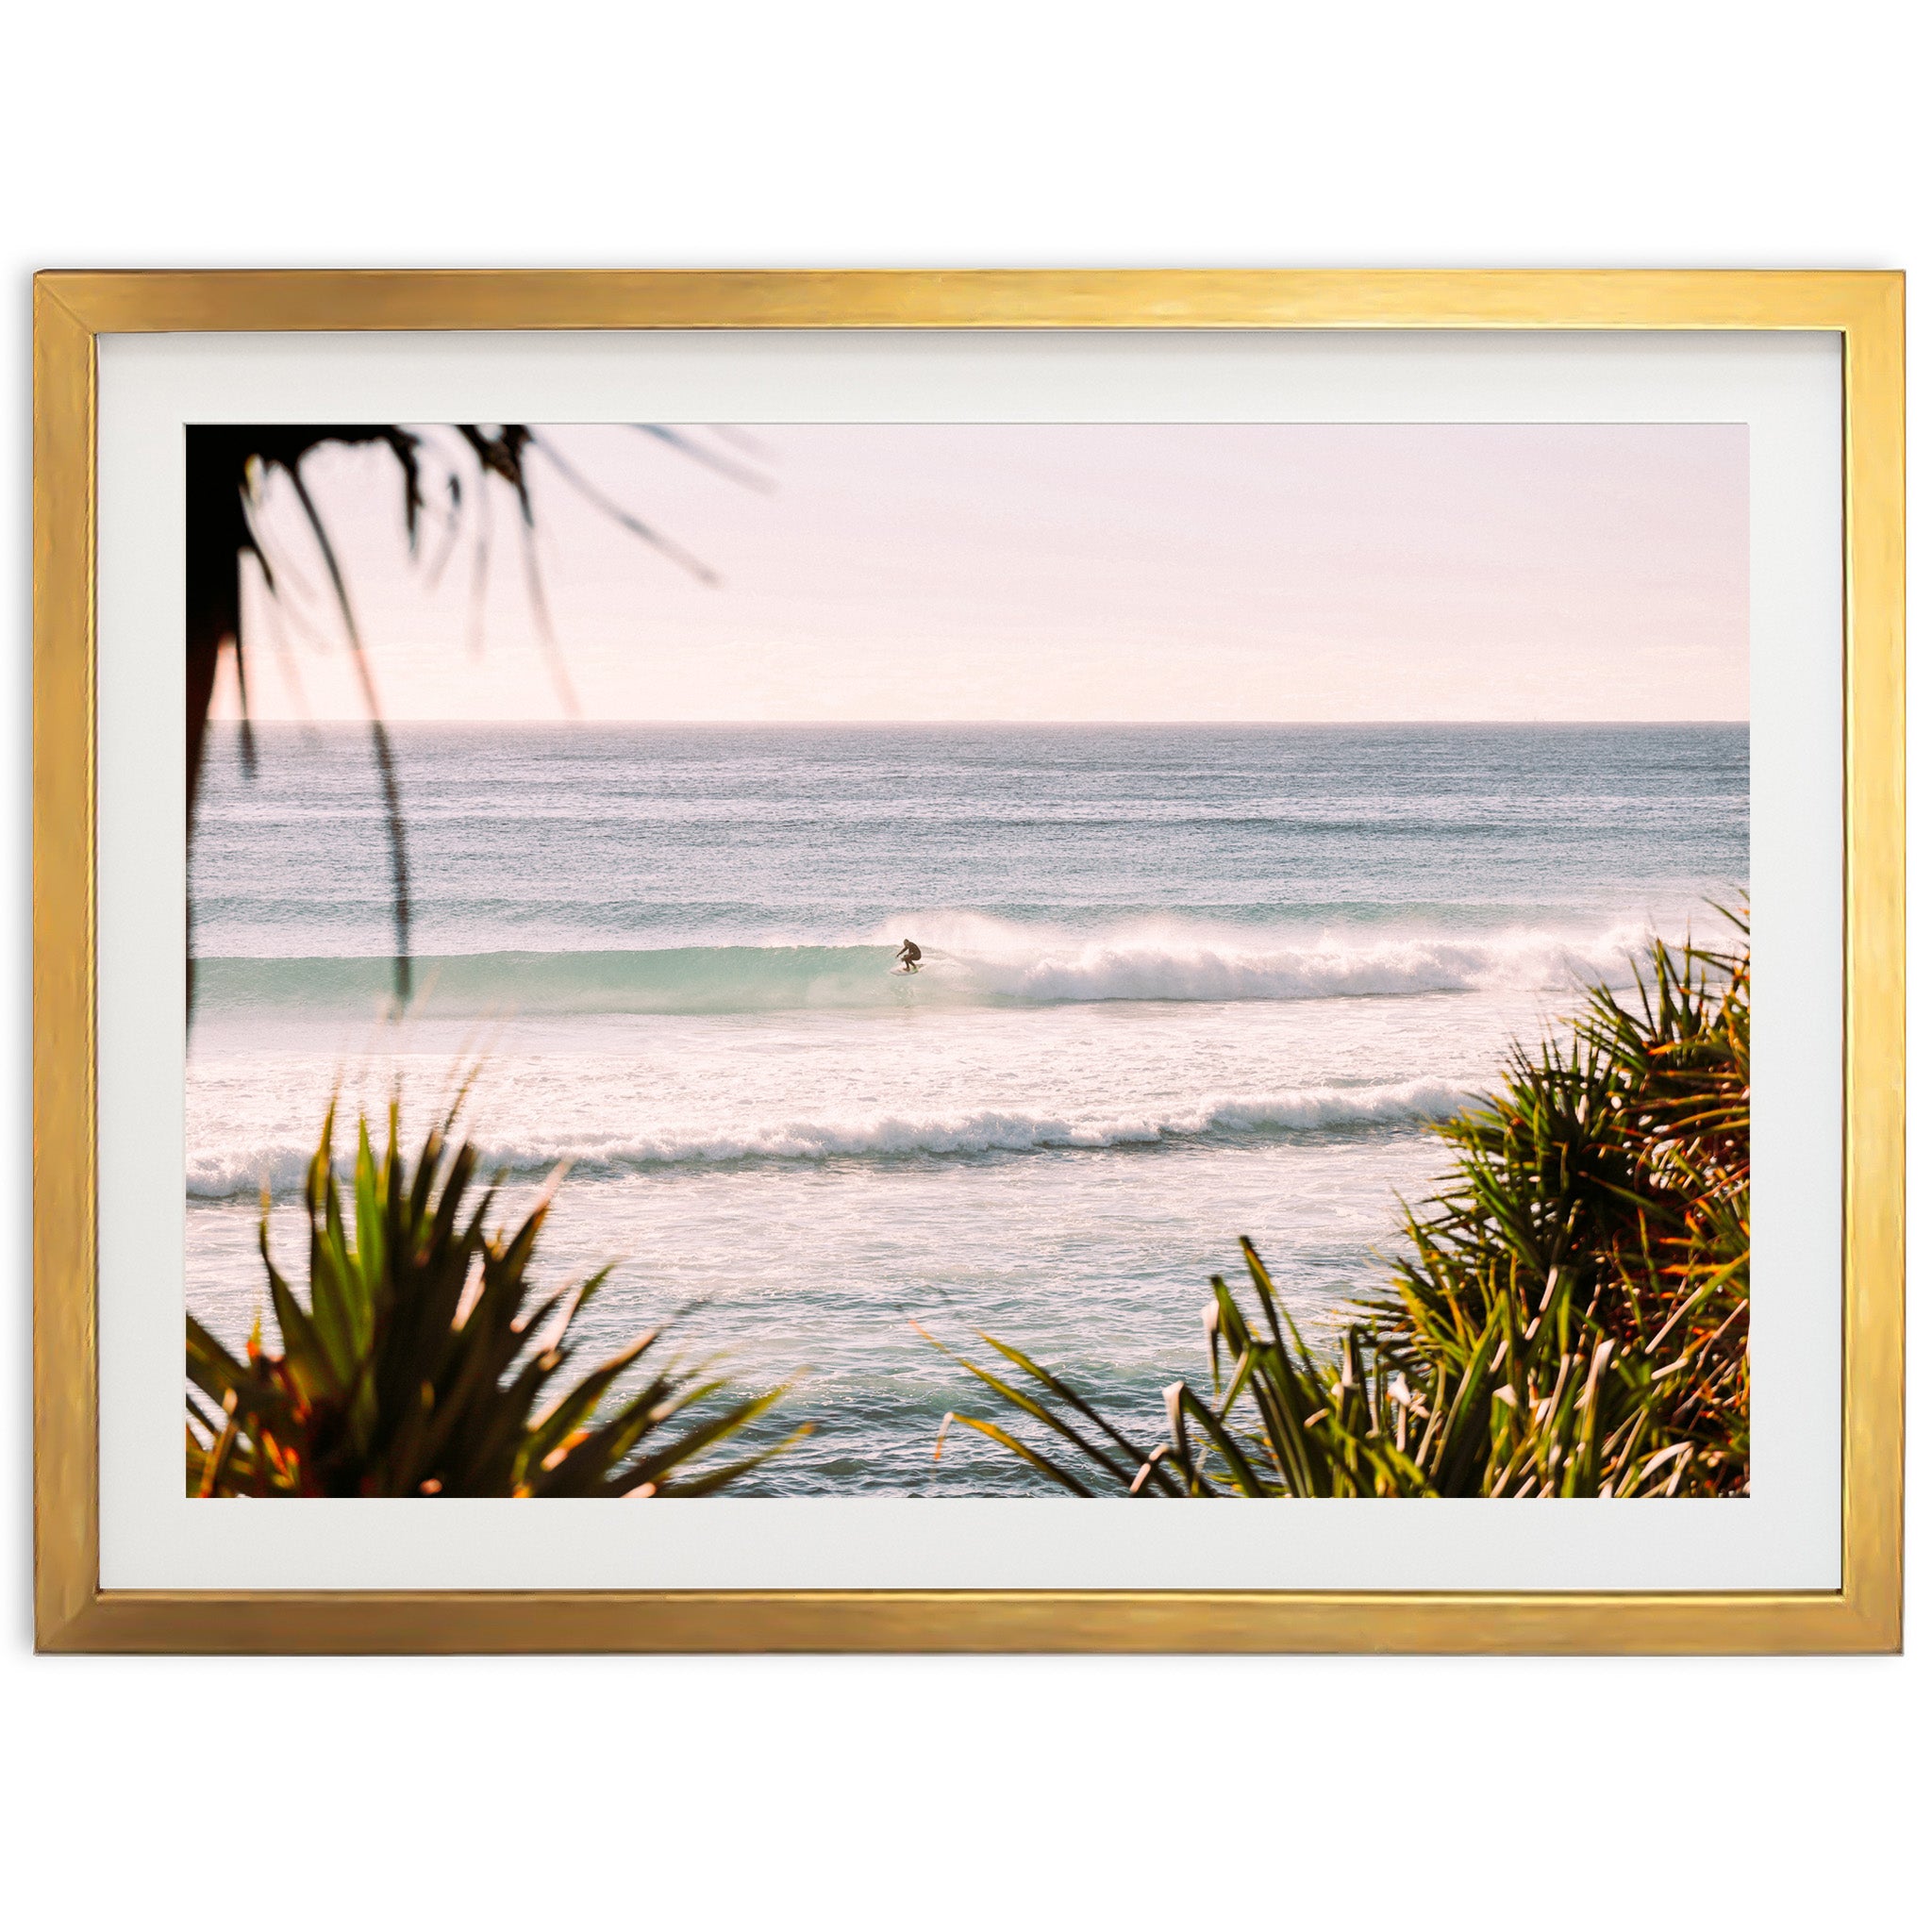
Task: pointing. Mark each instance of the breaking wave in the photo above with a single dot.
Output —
(1140, 971)
(1311, 1109)
(968, 962)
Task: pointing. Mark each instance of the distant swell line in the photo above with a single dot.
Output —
(878, 1137)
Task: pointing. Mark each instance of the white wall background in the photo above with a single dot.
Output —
(935, 1793)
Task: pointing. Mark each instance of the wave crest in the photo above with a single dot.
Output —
(1114, 970)
(969, 961)
(1311, 1109)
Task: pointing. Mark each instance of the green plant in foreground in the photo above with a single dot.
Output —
(420, 1368)
(1572, 1319)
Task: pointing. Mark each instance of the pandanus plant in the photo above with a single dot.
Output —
(427, 1362)
(1572, 1318)
(447, 479)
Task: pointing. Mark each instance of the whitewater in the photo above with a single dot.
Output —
(1181, 984)
(966, 962)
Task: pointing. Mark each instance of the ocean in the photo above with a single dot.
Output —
(1181, 983)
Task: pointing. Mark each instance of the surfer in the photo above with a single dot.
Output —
(908, 958)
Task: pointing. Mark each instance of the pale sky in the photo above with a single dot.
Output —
(1030, 572)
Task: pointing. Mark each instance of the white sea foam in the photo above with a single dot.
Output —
(887, 1136)
(969, 960)
(1014, 962)
(1230, 971)
(1296, 972)
(228, 1176)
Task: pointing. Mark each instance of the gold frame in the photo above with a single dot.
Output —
(73, 1612)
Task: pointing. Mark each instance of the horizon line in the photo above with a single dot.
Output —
(978, 723)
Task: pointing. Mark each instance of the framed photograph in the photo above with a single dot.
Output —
(726, 961)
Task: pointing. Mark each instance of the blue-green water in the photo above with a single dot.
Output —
(1181, 983)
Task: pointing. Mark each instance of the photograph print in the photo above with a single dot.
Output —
(935, 961)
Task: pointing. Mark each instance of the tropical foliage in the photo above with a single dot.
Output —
(229, 469)
(425, 1362)
(1569, 1316)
